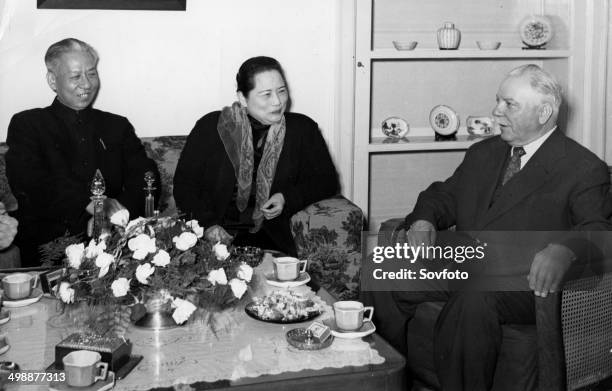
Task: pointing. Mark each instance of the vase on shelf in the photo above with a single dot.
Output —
(449, 37)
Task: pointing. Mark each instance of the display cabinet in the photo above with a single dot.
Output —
(389, 173)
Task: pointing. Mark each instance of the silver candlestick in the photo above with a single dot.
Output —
(98, 188)
(149, 179)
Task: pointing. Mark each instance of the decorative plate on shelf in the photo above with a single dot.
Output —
(395, 127)
(443, 120)
(536, 31)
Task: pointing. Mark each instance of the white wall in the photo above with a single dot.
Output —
(165, 69)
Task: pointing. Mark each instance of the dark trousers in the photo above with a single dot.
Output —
(467, 335)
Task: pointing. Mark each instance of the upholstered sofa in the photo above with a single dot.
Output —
(327, 232)
(567, 349)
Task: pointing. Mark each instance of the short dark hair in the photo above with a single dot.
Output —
(245, 78)
(56, 50)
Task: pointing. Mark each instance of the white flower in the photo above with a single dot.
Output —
(66, 293)
(143, 272)
(120, 217)
(103, 261)
(245, 272)
(238, 287)
(75, 253)
(195, 227)
(162, 258)
(132, 224)
(93, 249)
(142, 245)
(185, 241)
(221, 252)
(217, 277)
(120, 287)
(183, 310)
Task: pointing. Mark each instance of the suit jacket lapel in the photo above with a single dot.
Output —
(531, 177)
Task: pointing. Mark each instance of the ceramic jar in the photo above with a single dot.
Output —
(449, 37)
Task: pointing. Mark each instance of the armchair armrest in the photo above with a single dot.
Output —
(328, 234)
(551, 359)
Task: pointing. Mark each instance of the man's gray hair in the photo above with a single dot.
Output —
(55, 51)
(541, 81)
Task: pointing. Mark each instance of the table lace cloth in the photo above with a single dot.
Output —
(192, 353)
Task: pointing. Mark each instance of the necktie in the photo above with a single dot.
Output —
(514, 165)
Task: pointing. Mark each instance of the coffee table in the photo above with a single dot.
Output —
(182, 355)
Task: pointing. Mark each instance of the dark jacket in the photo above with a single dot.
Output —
(204, 180)
(563, 187)
(50, 176)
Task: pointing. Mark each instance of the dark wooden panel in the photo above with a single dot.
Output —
(167, 5)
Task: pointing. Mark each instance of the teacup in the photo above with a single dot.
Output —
(19, 285)
(350, 314)
(288, 268)
(84, 368)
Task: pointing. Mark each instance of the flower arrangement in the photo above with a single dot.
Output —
(162, 257)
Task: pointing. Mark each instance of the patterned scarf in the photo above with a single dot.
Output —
(234, 129)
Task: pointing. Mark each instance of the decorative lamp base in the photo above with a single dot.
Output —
(156, 320)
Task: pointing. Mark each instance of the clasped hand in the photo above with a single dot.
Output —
(274, 206)
(420, 233)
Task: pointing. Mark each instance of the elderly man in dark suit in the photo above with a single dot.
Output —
(530, 178)
(54, 153)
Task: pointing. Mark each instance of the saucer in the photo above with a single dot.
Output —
(366, 328)
(33, 298)
(5, 316)
(302, 279)
(100, 385)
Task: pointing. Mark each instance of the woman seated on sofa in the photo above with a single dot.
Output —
(251, 166)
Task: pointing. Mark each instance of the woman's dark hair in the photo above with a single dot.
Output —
(245, 78)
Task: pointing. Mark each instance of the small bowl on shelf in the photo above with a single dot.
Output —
(488, 45)
(405, 45)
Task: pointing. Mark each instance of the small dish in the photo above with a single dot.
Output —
(5, 316)
(33, 298)
(479, 126)
(405, 45)
(488, 45)
(366, 329)
(280, 319)
(299, 338)
(395, 127)
(302, 279)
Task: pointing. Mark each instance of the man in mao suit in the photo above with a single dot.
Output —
(530, 178)
(54, 153)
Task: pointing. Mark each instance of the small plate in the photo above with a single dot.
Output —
(536, 31)
(366, 328)
(444, 120)
(5, 316)
(100, 385)
(33, 298)
(302, 279)
(252, 312)
(298, 338)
